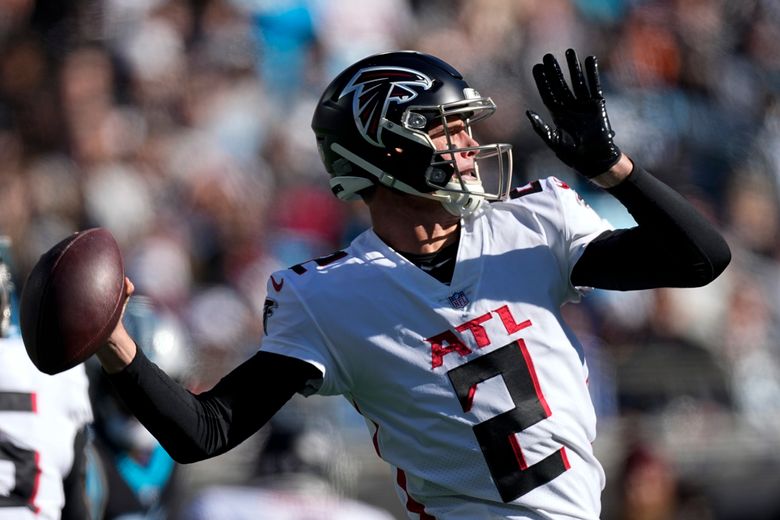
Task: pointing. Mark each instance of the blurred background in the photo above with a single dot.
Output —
(182, 126)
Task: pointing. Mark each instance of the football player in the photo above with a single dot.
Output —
(43, 428)
(442, 323)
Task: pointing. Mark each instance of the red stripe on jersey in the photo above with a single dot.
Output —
(375, 437)
(532, 372)
(37, 483)
(518, 452)
(565, 459)
(34, 402)
(470, 398)
(411, 504)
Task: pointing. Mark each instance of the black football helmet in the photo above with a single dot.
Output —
(372, 126)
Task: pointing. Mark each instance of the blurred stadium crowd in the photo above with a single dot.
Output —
(183, 127)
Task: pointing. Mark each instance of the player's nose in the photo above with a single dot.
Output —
(468, 141)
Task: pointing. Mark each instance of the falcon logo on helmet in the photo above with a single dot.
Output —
(374, 89)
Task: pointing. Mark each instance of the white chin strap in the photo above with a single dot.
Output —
(462, 204)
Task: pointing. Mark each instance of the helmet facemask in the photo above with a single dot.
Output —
(461, 191)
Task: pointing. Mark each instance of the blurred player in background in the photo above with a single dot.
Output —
(43, 427)
(442, 323)
(139, 477)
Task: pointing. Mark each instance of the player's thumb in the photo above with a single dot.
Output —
(129, 287)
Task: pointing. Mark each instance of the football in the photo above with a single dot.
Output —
(72, 300)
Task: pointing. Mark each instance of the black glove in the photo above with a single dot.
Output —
(582, 136)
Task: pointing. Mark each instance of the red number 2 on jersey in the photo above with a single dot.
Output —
(496, 436)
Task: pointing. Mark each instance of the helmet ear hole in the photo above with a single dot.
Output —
(438, 176)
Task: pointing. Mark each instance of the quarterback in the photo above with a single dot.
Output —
(441, 323)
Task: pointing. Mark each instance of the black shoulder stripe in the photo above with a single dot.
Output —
(17, 402)
(321, 261)
(531, 187)
(325, 260)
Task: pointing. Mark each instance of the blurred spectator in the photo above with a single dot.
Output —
(284, 34)
(352, 29)
(657, 366)
(648, 486)
(754, 215)
(651, 488)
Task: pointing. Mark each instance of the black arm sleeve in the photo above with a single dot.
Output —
(673, 245)
(195, 427)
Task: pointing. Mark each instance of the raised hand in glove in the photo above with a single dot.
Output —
(581, 135)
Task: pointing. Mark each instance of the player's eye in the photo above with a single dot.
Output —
(453, 128)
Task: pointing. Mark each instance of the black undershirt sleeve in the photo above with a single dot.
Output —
(195, 427)
(673, 245)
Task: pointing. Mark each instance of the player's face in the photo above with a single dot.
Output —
(456, 136)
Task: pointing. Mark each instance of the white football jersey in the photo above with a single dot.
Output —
(475, 392)
(39, 418)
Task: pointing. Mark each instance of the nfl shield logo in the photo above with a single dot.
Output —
(458, 300)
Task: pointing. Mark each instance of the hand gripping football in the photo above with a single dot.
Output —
(72, 300)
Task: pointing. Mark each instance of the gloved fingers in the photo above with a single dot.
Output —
(543, 86)
(592, 71)
(557, 82)
(577, 78)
